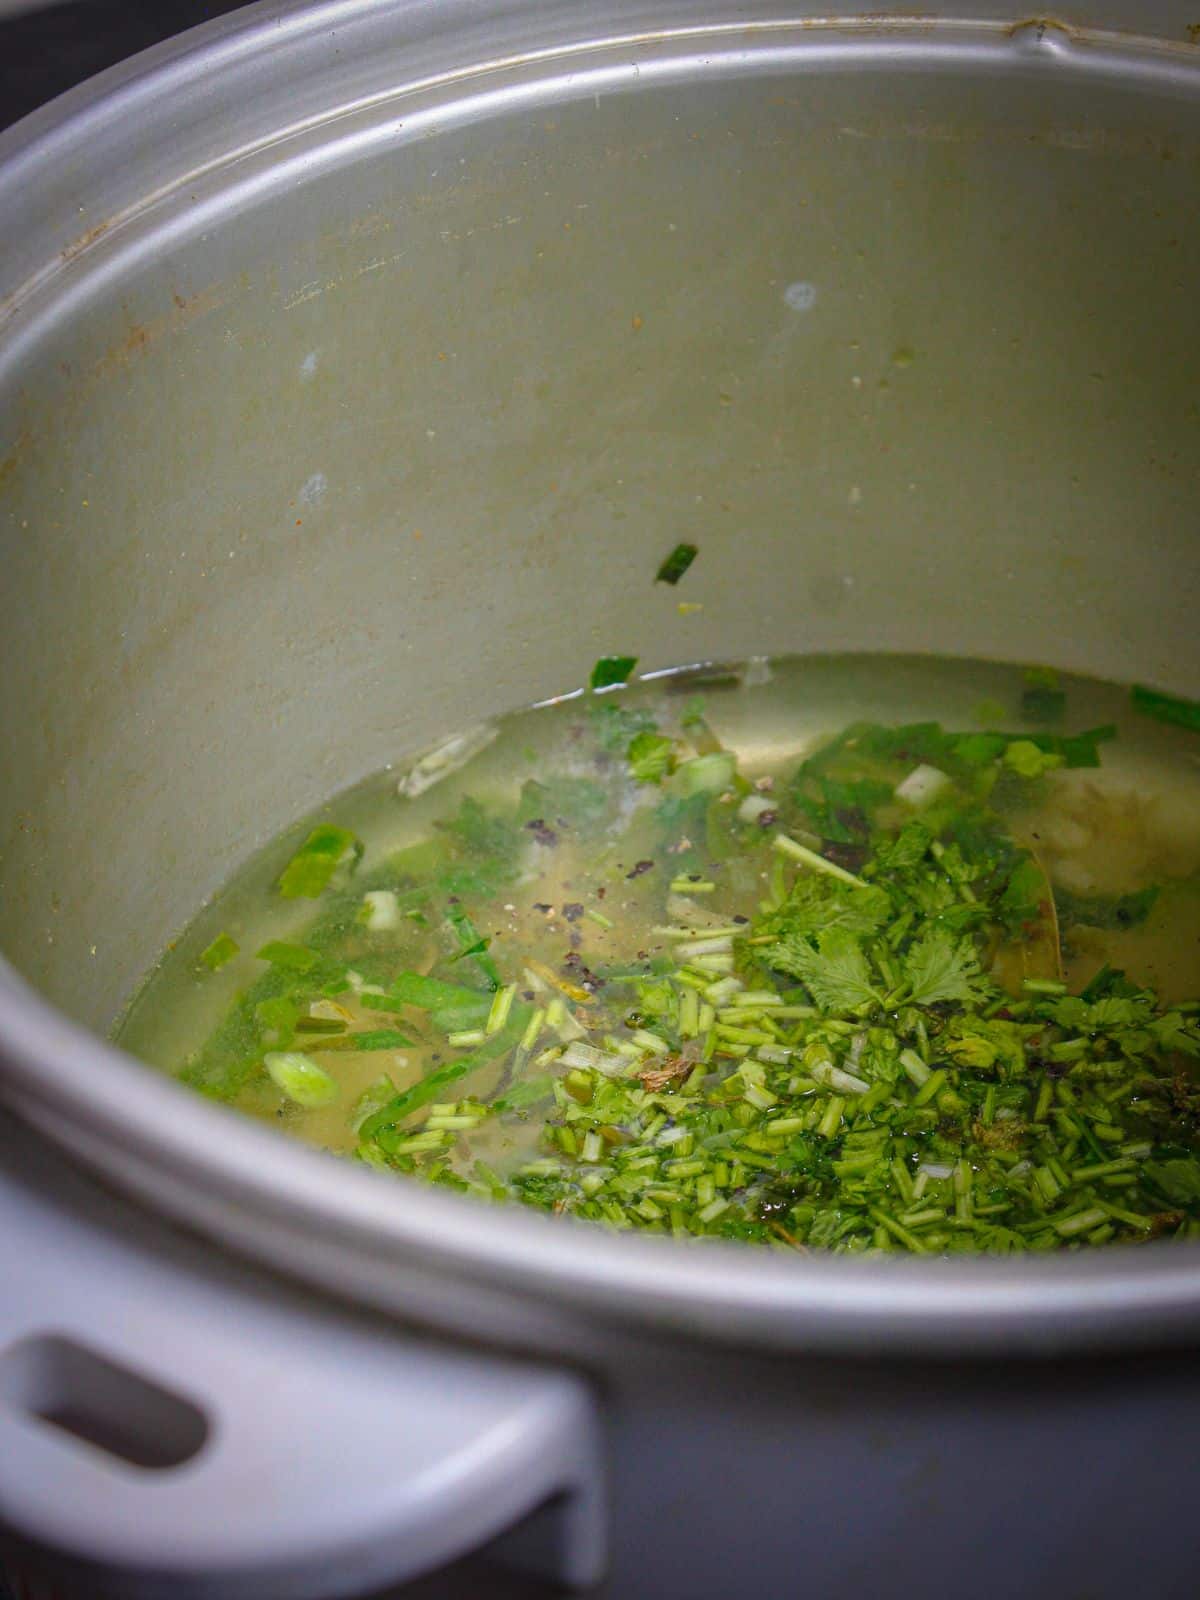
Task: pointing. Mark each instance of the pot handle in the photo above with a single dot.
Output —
(173, 1423)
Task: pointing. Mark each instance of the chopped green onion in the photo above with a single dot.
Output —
(831, 1120)
(293, 957)
(502, 1002)
(308, 873)
(466, 1036)
(676, 564)
(536, 1022)
(1081, 1221)
(300, 1078)
(898, 1231)
(810, 858)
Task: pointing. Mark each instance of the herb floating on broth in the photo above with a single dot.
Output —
(677, 563)
(744, 966)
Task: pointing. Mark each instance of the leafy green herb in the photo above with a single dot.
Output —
(651, 757)
(411, 989)
(277, 1017)
(850, 1031)
(471, 943)
(615, 726)
(677, 563)
(563, 800)
(817, 903)
(529, 1092)
(482, 833)
(221, 951)
(1078, 749)
(1108, 981)
(1028, 761)
(310, 870)
(1179, 1180)
(612, 670)
(429, 1087)
(1111, 911)
(940, 967)
(1163, 707)
(839, 809)
(294, 957)
(836, 972)
(1023, 896)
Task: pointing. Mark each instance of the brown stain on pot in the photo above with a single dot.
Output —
(11, 459)
(84, 242)
(140, 335)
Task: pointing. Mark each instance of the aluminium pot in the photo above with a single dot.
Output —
(357, 362)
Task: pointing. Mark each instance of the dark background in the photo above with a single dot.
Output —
(48, 49)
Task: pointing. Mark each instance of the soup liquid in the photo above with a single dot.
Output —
(562, 894)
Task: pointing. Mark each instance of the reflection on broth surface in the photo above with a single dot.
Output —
(836, 952)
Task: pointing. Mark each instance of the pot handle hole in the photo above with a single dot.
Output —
(166, 1421)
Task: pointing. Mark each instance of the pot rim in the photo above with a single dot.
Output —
(460, 59)
(134, 1119)
(974, 1306)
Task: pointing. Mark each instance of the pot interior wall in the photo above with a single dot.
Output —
(298, 480)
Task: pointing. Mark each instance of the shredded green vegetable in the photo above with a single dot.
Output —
(677, 563)
(612, 670)
(838, 1020)
(220, 952)
(1166, 707)
(310, 870)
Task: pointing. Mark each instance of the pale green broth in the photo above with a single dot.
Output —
(520, 966)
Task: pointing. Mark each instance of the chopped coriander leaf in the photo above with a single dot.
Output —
(1028, 761)
(677, 563)
(569, 801)
(615, 726)
(480, 833)
(651, 757)
(841, 1004)
(836, 972)
(221, 951)
(941, 967)
(1080, 749)
(472, 944)
(1105, 910)
(610, 671)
